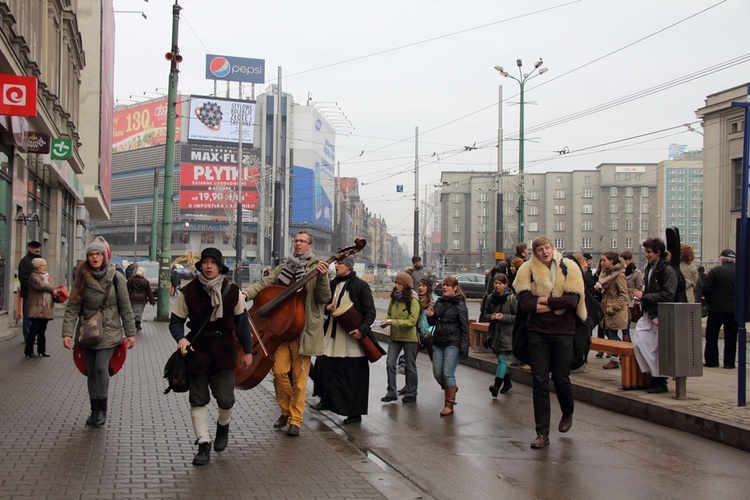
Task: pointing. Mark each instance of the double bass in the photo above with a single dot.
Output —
(277, 316)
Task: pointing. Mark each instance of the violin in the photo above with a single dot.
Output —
(277, 316)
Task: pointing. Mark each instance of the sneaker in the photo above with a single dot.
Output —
(612, 365)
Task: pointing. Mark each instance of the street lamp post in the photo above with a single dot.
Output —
(522, 79)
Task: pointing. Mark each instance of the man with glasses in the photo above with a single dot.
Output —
(291, 364)
(25, 268)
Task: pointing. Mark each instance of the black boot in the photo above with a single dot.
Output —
(507, 385)
(101, 414)
(94, 410)
(204, 454)
(222, 437)
(496, 387)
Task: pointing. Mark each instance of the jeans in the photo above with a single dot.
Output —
(444, 363)
(550, 353)
(391, 360)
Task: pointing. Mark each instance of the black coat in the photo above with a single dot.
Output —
(361, 296)
(139, 289)
(661, 287)
(718, 288)
(500, 332)
(451, 320)
(25, 268)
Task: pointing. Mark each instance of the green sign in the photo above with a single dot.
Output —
(61, 149)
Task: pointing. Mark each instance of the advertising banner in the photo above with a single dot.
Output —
(38, 143)
(143, 125)
(17, 95)
(235, 69)
(218, 120)
(208, 180)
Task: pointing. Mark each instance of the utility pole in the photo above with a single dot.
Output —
(154, 216)
(240, 179)
(416, 191)
(499, 236)
(278, 199)
(174, 58)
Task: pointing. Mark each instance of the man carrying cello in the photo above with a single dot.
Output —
(291, 364)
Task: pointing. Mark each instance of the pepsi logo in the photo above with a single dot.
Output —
(14, 95)
(219, 67)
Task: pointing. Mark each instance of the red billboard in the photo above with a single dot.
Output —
(212, 198)
(143, 125)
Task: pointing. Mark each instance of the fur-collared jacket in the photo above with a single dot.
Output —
(615, 296)
(318, 295)
(566, 294)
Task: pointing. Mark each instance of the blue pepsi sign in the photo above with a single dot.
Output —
(235, 69)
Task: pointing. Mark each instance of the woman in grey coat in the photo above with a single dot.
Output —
(93, 278)
(500, 312)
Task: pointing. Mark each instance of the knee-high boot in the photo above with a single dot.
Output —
(450, 401)
(506, 383)
(496, 387)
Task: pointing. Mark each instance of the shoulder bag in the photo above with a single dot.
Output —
(90, 329)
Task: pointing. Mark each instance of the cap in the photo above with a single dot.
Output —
(728, 253)
(588, 256)
(416, 258)
(34, 244)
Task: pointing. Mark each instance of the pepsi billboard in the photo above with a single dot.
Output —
(235, 69)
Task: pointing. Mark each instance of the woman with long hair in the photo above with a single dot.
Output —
(98, 284)
(614, 299)
(500, 312)
(450, 340)
(402, 316)
(426, 297)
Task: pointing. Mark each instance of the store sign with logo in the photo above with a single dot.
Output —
(235, 69)
(37, 143)
(61, 149)
(17, 95)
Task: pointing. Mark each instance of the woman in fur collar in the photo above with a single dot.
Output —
(551, 292)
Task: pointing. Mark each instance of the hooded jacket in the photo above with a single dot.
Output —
(567, 297)
(451, 320)
(615, 297)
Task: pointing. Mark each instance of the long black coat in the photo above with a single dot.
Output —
(718, 288)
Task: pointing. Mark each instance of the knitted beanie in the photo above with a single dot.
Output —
(348, 261)
(404, 280)
(99, 244)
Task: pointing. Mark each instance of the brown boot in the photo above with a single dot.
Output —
(450, 401)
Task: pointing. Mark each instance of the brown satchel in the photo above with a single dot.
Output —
(637, 311)
(91, 329)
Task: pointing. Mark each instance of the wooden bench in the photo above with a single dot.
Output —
(477, 335)
(632, 377)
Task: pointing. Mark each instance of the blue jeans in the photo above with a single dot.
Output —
(444, 363)
(410, 353)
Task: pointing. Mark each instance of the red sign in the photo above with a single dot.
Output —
(216, 199)
(193, 175)
(142, 126)
(17, 95)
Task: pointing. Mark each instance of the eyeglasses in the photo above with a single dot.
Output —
(96, 254)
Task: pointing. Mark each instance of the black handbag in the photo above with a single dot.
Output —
(175, 370)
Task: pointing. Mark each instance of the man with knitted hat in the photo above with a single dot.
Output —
(213, 308)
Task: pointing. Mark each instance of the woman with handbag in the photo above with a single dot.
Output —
(450, 339)
(500, 312)
(99, 306)
(343, 372)
(41, 307)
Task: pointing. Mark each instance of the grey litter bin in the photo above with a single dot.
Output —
(680, 343)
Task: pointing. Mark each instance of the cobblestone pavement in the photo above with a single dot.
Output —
(146, 448)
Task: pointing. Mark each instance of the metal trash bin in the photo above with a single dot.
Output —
(680, 343)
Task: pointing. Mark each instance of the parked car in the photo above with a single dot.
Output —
(471, 284)
(185, 273)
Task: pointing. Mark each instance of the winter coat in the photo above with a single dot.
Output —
(500, 332)
(615, 297)
(690, 273)
(404, 326)
(451, 320)
(40, 297)
(360, 295)
(139, 290)
(318, 295)
(718, 288)
(660, 287)
(566, 297)
(634, 280)
(174, 278)
(118, 314)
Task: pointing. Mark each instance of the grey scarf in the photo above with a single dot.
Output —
(213, 288)
(294, 268)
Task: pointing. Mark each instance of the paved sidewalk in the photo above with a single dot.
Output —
(146, 448)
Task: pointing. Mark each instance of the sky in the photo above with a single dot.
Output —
(623, 77)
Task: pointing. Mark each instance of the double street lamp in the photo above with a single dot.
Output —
(522, 79)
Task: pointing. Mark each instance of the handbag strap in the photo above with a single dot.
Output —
(223, 295)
